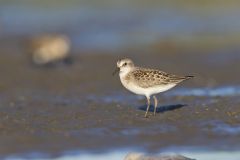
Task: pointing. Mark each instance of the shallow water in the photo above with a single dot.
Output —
(222, 91)
(122, 97)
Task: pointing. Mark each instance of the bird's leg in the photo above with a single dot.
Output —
(148, 106)
(155, 104)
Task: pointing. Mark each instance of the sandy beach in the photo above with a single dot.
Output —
(81, 106)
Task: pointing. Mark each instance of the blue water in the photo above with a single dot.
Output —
(208, 92)
(126, 97)
(114, 28)
(220, 128)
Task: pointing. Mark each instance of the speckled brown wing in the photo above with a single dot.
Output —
(149, 77)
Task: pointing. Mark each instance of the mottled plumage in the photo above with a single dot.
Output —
(144, 81)
(146, 78)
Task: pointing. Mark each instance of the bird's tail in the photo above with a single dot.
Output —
(180, 79)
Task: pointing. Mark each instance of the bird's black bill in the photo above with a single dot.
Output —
(116, 70)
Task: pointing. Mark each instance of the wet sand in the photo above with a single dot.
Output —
(61, 108)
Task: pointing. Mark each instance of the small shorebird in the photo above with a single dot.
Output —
(144, 81)
(48, 48)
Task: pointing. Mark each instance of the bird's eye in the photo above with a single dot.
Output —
(124, 64)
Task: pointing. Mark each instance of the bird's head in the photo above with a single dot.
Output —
(124, 65)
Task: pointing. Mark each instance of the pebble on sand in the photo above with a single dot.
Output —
(140, 156)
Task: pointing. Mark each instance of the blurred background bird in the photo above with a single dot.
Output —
(49, 48)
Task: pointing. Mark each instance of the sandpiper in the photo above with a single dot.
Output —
(48, 48)
(145, 81)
